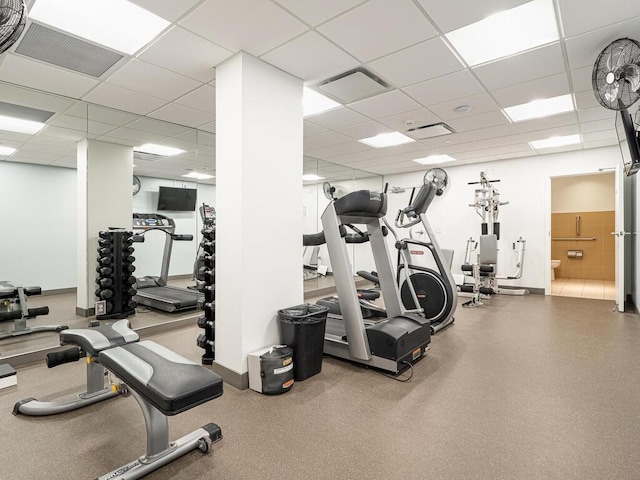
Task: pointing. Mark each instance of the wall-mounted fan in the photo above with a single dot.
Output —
(13, 16)
(438, 177)
(616, 74)
(328, 190)
(136, 185)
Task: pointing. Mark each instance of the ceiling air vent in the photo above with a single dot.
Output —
(429, 131)
(65, 51)
(149, 157)
(353, 85)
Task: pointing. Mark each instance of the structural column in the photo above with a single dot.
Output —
(105, 200)
(258, 203)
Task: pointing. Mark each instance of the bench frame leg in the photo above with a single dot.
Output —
(159, 450)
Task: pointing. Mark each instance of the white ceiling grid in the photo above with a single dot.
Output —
(173, 79)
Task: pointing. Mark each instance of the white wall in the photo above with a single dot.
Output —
(526, 184)
(583, 193)
(38, 232)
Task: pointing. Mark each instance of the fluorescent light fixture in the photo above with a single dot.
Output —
(540, 108)
(387, 140)
(18, 125)
(198, 176)
(6, 151)
(314, 103)
(506, 33)
(154, 149)
(433, 159)
(310, 177)
(117, 24)
(134, 165)
(556, 142)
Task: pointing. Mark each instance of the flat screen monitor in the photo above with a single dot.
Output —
(628, 140)
(177, 199)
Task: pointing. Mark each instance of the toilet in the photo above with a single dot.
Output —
(554, 264)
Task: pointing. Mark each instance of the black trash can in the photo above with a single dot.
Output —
(302, 328)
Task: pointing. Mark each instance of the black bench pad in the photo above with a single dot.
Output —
(94, 340)
(168, 381)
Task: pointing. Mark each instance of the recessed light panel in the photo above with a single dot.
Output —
(310, 177)
(506, 33)
(556, 142)
(116, 24)
(198, 176)
(314, 103)
(433, 159)
(6, 151)
(540, 108)
(387, 140)
(18, 125)
(154, 149)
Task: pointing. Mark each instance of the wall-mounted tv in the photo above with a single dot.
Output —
(177, 199)
(629, 142)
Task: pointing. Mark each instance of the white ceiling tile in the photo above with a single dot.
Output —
(311, 57)
(155, 126)
(501, 141)
(493, 132)
(411, 119)
(442, 89)
(321, 153)
(579, 16)
(581, 78)
(152, 80)
(82, 125)
(183, 115)
(337, 118)
(385, 104)
(350, 147)
(480, 103)
(169, 9)
(328, 139)
(415, 64)
(454, 14)
(23, 71)
(137, 136)
(231, 25)
(186, 53)
(364, 130)
(537, 63)
(474, 122)
(315, 13)
(547, 87)
(67, 133)
(312, 129)
(203, 98)
(508, 156)
(70, 161)
(600, 143)
(209, 127)
(599, 125)
(378, 28)
(123, 99)
(551, 132)
(596, 113)
(600, 135)
(561, 120)
(586, 99)
(105, 115)
(457, 147)
(583, 50)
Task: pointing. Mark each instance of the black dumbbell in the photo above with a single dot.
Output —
(203, 342)
(104, 260)
(204, 322)
(104, 282)
(104, 271)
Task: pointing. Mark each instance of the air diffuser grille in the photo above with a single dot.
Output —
(56, 48)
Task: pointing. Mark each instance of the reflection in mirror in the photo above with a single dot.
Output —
(38, 168)
(335, 181)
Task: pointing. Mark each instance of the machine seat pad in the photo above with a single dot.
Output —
(94, 340)
(168, 381)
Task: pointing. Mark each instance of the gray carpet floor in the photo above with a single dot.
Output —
(522, 388)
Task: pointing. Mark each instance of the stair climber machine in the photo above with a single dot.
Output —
(154, 292)
(484, 268)
(393, 343)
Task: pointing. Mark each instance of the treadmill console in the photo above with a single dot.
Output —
(208, 214)
(145, 221)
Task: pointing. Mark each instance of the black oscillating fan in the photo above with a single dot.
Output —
(616, 74)
(13, 16)
(438, 177)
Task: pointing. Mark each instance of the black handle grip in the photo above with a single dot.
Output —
(8, 293)
(34, 312)
(64, 356)
(182, 238)
(13, 315)
(28, 291)
(137, 238)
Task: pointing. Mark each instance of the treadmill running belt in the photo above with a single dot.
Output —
(169, 299)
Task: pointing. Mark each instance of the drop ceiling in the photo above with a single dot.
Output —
(402, 41)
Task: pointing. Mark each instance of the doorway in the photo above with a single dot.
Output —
(582, 247)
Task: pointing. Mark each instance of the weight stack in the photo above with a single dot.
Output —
(207, 272)
(116, 282)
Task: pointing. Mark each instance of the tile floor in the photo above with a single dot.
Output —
(570, 287)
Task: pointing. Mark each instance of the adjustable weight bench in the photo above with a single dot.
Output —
(163, 383)
(88, 342)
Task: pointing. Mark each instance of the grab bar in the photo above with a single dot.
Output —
(577, 239)
(577, 225)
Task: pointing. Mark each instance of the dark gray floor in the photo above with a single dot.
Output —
(522, 388)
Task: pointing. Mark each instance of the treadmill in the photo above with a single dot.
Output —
(153, 292)
(393, 343)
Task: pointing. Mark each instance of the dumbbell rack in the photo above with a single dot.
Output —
(115, 268)
(206, 321)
